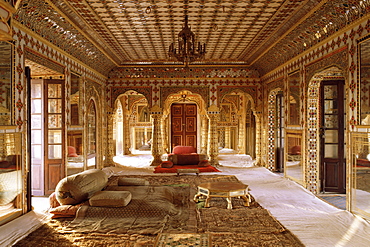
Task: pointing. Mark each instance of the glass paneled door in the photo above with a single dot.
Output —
(53, 134)
(47, 135)
(332, 131)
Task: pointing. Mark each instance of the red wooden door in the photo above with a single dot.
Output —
(184, 125)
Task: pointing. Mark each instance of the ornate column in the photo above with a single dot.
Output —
(241, 139)
(227, 137)
(126, 130)
(213, 115)
(164, 125)
(204, 136)
(110, 144)
(156, 114)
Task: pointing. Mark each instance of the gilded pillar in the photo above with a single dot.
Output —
(213, 115)
(110, 144)
(227, 137)
(241, 139)
(126, 130)
(164, 125)
(204, 136)
(156, 139)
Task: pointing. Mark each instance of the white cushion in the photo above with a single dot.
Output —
(110, 199)
(80, 187)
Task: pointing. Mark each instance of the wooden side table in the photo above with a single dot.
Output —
(223, 189)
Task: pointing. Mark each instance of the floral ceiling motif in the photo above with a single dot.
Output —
(259, 33)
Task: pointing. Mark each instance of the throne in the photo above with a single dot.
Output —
(186, 155)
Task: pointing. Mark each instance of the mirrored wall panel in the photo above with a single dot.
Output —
(10, 176)
(294, 162)
(75, 155)
(75, 99)
(294, 98)
(5, 82)
(360, 199)
(364, 50)
(91, 136)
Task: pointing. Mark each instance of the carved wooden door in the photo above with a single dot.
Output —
(184, 125)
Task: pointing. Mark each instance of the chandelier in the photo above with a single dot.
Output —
(187, 49)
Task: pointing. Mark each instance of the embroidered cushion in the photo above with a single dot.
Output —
(110, 199)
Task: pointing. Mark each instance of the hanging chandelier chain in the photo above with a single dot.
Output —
(187, 49)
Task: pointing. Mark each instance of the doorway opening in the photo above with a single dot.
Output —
(326, 113)
(47, 129)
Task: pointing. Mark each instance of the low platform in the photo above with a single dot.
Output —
(180, 171)
(174, 169)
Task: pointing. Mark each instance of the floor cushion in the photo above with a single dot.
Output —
(110, 199)
(64, 211)
(167, 164)
(79, 187)
(132, 181)
(203, 163)
(53, 200)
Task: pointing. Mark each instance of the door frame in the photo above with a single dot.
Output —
(279, 132)
(196, 124)
(49, 171)
(341, 160)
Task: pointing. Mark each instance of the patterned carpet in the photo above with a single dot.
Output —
(214, 226)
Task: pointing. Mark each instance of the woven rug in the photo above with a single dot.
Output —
(151, 210)
(183, 240)
(240, 226)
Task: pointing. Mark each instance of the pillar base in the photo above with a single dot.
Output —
(156, 161)
(110, 162)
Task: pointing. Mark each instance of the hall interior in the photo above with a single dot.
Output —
(279, 87)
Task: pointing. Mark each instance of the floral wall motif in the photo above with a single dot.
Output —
(211, 89)
(313, 113)
(201, 90)
(271, 115)
(251, 89)
(144, 90)
(181, 72)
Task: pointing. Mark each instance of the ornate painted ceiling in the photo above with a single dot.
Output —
(108, 33)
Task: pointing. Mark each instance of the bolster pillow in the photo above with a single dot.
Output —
(80, 187)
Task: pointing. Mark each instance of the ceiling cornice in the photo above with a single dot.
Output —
(82, 31)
